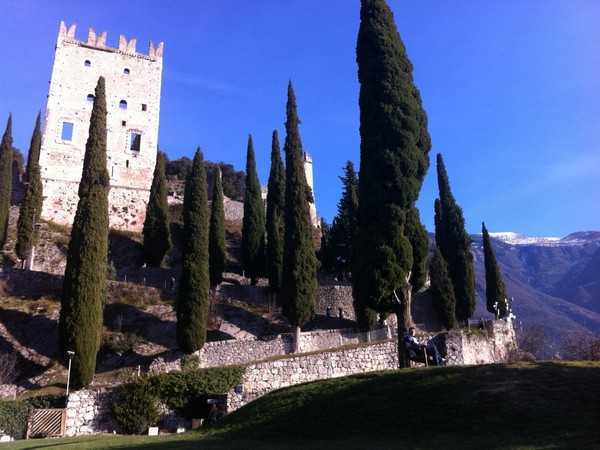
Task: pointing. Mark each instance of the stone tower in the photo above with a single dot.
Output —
(308, 172)
(133, 82)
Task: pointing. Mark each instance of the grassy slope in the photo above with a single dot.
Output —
(542, 406)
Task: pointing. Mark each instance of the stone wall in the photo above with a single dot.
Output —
(335, 297)
(8, 391)
(262, 378)
(88, 412)
(240, 352)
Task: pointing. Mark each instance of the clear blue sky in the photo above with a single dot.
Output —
(511, 87)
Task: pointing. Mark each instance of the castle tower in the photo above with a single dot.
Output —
(133, 82)
(308, 172)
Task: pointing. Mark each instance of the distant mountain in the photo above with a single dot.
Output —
(555, 282)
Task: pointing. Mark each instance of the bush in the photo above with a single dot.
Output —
(13, 418)
(135, 408)
(8, 367)
(46, 401)
(190, 362)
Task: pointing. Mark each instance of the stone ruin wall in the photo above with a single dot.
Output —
(131, 77)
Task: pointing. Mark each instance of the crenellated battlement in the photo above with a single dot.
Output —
(98, 41)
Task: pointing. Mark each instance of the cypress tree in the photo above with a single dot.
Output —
(495, 290)
(31, 208)
(394, 160)
(193, 297)
(157, 237)
(6, 160)
(299, 259)
(84, 285)
(455, 245)
(275, 216)
(419, 241)
(216, 245)
(442, 290)
(253, 227)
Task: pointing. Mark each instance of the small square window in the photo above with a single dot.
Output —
(135, 141)
(123, 123)
(67, 131)
(87, 63)
(126, 71)
(144, 107)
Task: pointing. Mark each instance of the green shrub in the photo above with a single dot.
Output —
(135, 408)
(46, 401)
(13, 418)
(190, 362)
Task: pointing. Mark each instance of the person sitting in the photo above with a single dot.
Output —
(418, 352)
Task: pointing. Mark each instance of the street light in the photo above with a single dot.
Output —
(71, 354)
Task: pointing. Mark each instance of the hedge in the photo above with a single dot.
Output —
(13, 418)
(135, 405)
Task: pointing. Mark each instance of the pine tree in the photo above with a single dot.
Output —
(157, 236)
(275, 216)
(455, 245)
(343, 229)
(394, 160)
(84, 285)
(6, 160)
(442, 290)
(253, 227)
(31, 207)
(193, 297)
(216, 245)
(299, 259)
(495, 290)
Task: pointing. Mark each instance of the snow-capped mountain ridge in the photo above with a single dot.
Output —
(579, 238)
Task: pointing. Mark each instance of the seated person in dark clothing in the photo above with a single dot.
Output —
(417, 351)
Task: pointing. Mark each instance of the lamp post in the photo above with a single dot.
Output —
(71, 354)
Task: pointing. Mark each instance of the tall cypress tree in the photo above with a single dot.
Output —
(157, 237)
(253, 227)
(6, 160)
(299, 259)
(394, 152)
(419, 241)
(495, 290)
(442, 290)
(84, 285)
(216, 245)
(193, 297)
(275, 216)
(31, 208)
(455, 245)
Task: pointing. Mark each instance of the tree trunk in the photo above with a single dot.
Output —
(404, 320)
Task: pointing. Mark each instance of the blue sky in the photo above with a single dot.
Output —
(511, 87)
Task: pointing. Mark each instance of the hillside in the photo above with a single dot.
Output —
(483, 407)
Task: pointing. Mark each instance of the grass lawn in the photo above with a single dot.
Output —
(522, 406)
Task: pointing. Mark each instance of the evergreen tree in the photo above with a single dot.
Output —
(495, 290)
(299, 259)
(216, 246)
(193, 297)
(343, 229)
(394, 159)
(455, 245)
(31, 207)
(84, 284)
(6, 160)
(253, 227)
(275, 216)
(419, 241)
(157, 236)
(442, 291)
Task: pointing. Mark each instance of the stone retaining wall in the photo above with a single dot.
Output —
(88, 412)
(8, 391)
(262, 378)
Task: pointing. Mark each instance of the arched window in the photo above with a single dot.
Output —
(87, 63)
(90, 97)
(123, 104)
(126, 71)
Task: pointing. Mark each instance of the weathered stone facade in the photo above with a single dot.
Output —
(133, 82)
(88, 412)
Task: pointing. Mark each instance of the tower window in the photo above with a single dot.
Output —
(126, 71)
(127, 164)
(135, 141)
(144, 107)
(67, 131)
(123, 104)
(123, 123)
(87, 63)
(90, 97)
